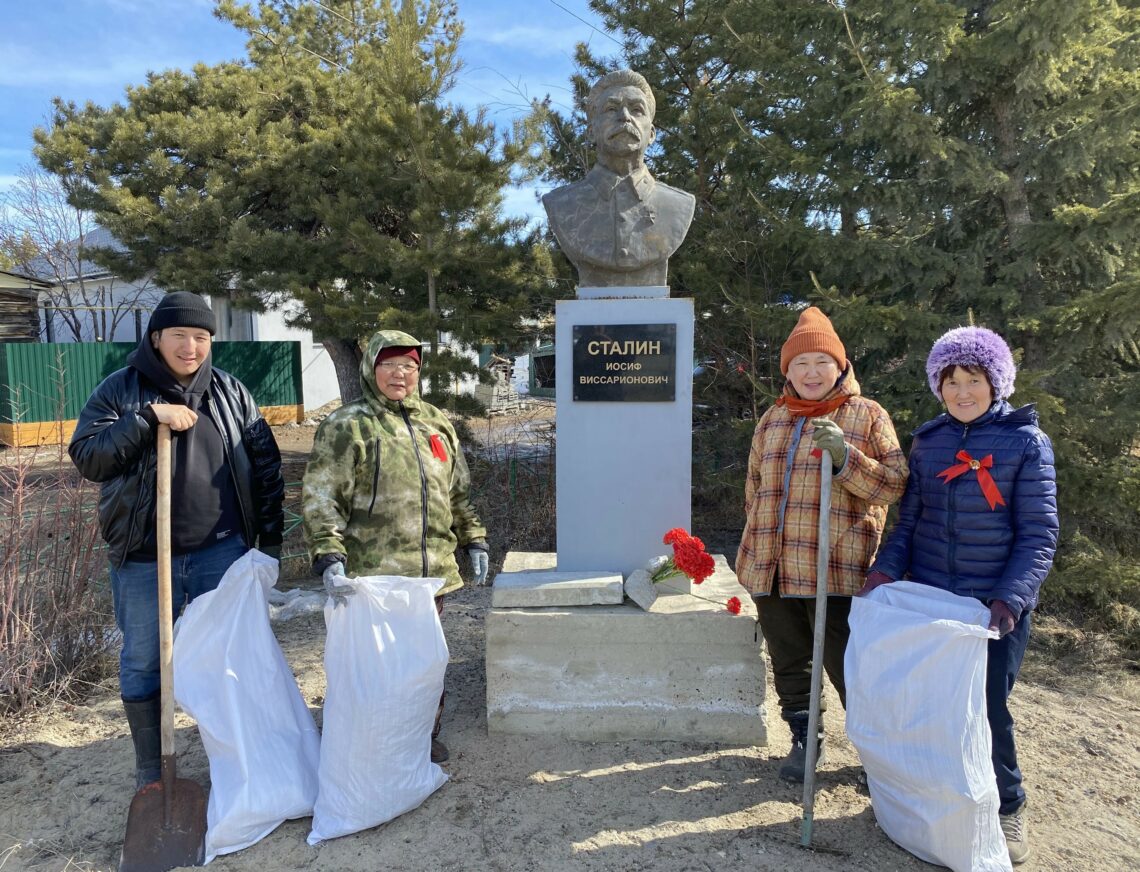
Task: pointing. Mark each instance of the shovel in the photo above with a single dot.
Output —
(166, 824)
(823, 551)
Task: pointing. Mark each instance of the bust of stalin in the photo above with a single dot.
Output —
(618, 225)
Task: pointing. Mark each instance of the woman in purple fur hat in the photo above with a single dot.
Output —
(979, 518)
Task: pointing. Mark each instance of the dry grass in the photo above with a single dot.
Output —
(56, 627)
(1065, 655)
(512, 479)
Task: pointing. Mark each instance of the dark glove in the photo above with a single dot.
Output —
(1001, 617)
(480, 561)
(273, 551)
(874, 579)
(333, 576)
(828, 436)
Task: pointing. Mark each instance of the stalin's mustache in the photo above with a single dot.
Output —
(627, 129)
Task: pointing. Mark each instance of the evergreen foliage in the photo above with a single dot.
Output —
(326, 173)
(910, 168)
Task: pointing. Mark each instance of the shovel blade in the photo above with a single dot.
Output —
(155, 843)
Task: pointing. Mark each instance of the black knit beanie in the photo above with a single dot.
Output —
(182, 309)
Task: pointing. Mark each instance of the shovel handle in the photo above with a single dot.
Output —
(823, 554)
(165, 604)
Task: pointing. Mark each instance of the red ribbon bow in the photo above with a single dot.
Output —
(982, 467)
(437, 449)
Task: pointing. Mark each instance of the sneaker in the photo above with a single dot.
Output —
(795, 764)
(1016, 832)
(438, 751)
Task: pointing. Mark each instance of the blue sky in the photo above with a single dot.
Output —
(85, 50)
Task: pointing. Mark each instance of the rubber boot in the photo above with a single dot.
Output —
(145, 719)
(794, 765)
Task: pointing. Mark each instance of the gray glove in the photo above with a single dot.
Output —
(273, 551)
(480, 563)
(828, 436)
(332, 577)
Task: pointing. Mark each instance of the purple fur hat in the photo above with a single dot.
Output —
(973, 346)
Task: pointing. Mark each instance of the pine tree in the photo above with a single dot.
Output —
(326, 174)
(910, 167)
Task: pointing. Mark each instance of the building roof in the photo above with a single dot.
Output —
(68, 258)
(19, 282)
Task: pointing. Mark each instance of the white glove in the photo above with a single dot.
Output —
(332, 577)
(480, 563)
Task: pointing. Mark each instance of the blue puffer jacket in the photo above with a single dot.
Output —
(948, 536)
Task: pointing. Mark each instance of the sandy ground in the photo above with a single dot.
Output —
(542, 803)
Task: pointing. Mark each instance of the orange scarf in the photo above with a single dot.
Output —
(811, 408)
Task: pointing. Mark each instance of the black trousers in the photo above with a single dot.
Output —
(788, 624)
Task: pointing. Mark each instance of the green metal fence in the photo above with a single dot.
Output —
(48, 383)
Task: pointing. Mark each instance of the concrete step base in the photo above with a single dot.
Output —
(687, 671)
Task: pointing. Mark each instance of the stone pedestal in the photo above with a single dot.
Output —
(686, 669)
(623, 466)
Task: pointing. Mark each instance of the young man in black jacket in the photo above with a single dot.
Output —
(226, 489)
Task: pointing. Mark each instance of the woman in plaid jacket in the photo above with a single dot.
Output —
(821, 410)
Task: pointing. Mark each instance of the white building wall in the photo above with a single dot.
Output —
(318, 375)
(114, 291)
(463, 386)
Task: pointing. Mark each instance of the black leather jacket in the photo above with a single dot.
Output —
(114, 444)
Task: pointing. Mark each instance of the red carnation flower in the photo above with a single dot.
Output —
(689, 558)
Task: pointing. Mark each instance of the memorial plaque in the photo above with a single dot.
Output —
(625, 363)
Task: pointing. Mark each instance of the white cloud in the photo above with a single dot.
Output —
(148, 8)
(537, 41)
(24, 71)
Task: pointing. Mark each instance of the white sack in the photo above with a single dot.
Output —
(916, 712)
(385, 656)
(231, 677)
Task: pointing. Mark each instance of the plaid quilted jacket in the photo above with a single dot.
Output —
(782, 498)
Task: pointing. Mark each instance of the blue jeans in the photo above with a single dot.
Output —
(134, 589)
(1002, 666)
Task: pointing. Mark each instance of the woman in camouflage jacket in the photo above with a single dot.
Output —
(386, 486)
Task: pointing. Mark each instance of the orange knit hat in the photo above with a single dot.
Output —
(813, 332)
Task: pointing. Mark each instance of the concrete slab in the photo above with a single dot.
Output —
(686, 670)
(536, 588)
(639, 588)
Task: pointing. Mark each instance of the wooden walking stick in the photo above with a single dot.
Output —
(823, 552)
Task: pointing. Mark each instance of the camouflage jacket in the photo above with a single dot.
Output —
(387, 485)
